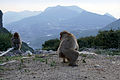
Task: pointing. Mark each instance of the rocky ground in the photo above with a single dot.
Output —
(49, 67)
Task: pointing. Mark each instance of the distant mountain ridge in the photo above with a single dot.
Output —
(89, 20)
(107, 14)
(74, 8)
(35, 29)
(114, 25)
(12, 16)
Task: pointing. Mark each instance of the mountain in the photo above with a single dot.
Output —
(107, 14)
(114, 25)
(73, 8)
(48, 24)
(11, 16)
(88, 20)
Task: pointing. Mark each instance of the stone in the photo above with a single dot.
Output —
(1, 14)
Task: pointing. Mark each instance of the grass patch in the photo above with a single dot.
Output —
(26, 70)
(40, 58)
(53, 63)
(83, 55)
(2, 68)
(9, 58)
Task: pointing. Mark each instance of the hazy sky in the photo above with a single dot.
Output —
(96, 6)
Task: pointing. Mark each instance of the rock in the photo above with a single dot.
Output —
(17, 52)
(9, 54)
(86, 52)
(28, 53)
(43, 51)
(1, 14)
(34, 77)
(113, 62)
(97, 66)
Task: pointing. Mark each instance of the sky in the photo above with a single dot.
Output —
(97, 6)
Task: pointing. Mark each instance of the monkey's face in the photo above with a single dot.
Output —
(60, 37)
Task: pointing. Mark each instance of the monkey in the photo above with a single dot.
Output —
(16, 42)
(68, 48)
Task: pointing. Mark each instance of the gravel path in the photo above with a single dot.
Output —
(97, 67)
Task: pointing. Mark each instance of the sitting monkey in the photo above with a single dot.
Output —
(16, 42)
(68, 48)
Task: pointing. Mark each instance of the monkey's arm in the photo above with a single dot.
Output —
(77, 47)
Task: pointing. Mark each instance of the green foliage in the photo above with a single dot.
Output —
(84, 61)
(2, 68)
(53, 63)
(3, 30)
(104, 40)
(22, 61)
(5, 41)
(46, 61)
(25, 47)
(86, 42)
(39, 58)
(108, 39)
(9, 58)
(51, 44)
(83, 55)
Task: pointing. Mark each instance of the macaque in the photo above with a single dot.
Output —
(68, 48)
(16, 42)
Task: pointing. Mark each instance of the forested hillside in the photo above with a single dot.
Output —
(104, 40)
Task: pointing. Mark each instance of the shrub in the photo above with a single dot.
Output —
(51, 44)
(5, 41)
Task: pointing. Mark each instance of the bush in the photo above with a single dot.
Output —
(51, 44)
(86, 42)
(5, 41)
(103, 40)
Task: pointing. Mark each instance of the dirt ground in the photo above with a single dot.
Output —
(50, 67)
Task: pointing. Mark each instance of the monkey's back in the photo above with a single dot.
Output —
(68, 43)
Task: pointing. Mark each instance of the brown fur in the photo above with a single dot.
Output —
(67, 48)
(16, 42)
(16, 35)
(65, 32)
